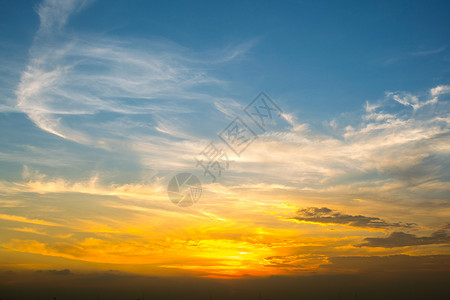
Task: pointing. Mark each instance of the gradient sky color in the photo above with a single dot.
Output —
(103, 102)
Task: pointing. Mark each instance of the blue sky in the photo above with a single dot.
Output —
(356, 50)
(106, 101)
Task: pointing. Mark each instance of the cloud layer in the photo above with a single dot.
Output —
(401, 239)
(327, 216)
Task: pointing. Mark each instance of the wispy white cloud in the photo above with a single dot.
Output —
(417, 54)
(232, 52)
(440, 90)
(429, 52)
(53, 14)
(384, 151)
(119, 95)
(84, 79)
(411, 100)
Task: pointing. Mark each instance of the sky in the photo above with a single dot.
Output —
(235, 147)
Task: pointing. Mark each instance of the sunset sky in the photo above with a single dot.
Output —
(103, 102)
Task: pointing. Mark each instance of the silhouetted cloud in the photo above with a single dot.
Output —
(401, 239)
(55, 272)
(328, 216)
(398, 264)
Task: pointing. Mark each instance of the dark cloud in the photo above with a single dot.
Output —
(60, 272)
(55, 272)
(392, 264)
(401, 239)
(328, 216)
